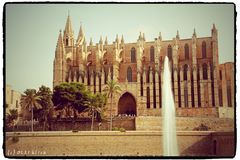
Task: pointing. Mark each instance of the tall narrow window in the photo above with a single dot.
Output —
(185, 68)
(186, 48)
(185, 96)
(141, 86)
(205, 71)
(229, 96)
(129, 74)
(152, 54)
(220, 74)
(133, 55)
(170, 52)
(220, 96)
(148, 97)
(66, 42)
(204, 50)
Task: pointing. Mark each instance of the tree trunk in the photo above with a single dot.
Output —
(44, 124)
(92, 121)
(32, 118)
(110, 128)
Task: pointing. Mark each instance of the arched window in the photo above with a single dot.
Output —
(169, 52)
(204, 50)
(152, 54)
(205, 71)
(129, 74)
(148, 97)
(185, 68)
(133, 55)
(186, 48)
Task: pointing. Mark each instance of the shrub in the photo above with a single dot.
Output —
(74, 131)
(201, 127)
(122, 130)
(15, 139)
(115, 129)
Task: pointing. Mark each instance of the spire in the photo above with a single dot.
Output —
(80, 34)
(214, 32)
(68, 27)
(68, 36)
(160, 36)
(177, 36)
(60, 46)
(117, 40)
(214, 27)
(122, 40)
(106, 41)
(140, 36)
(101, 40)
(60, 40)
(144, 37)
(194, 33)
(91, 43)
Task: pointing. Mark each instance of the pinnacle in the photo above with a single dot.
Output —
(68, 27)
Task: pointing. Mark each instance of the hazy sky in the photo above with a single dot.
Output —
(32, 31)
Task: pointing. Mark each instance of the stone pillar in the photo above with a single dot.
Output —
(175, 86)
(102, 80)
(209, 88)
(151, 87)
(189, 87)
(69, 77)
(92, 82)
(182, 87)
(97, 83)
(75, 77)
(224, 88)
(201, 87)
(157, 88)
(109, 75)
(195, 85)
(232, 87)
(144, 89)
(139, 84)
(116, 72)
(85, 79)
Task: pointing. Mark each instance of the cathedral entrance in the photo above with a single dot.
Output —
(127, 104)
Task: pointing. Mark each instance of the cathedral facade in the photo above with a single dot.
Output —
(200, 85)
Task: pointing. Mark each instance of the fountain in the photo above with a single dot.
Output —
(170, 147)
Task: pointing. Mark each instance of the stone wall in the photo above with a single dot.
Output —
(186, 123)
(137, 143)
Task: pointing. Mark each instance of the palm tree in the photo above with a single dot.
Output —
(30, 100)
(44, 114)
(111, 89)
(96, 105)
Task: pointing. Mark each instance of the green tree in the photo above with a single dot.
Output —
(111, 89)
(70, 96)
(30, 101)
(44, 113)
(96, 103)
(11, 117)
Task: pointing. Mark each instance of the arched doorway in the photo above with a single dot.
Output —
(127, 104)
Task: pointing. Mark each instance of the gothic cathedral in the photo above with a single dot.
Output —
(200, 84)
